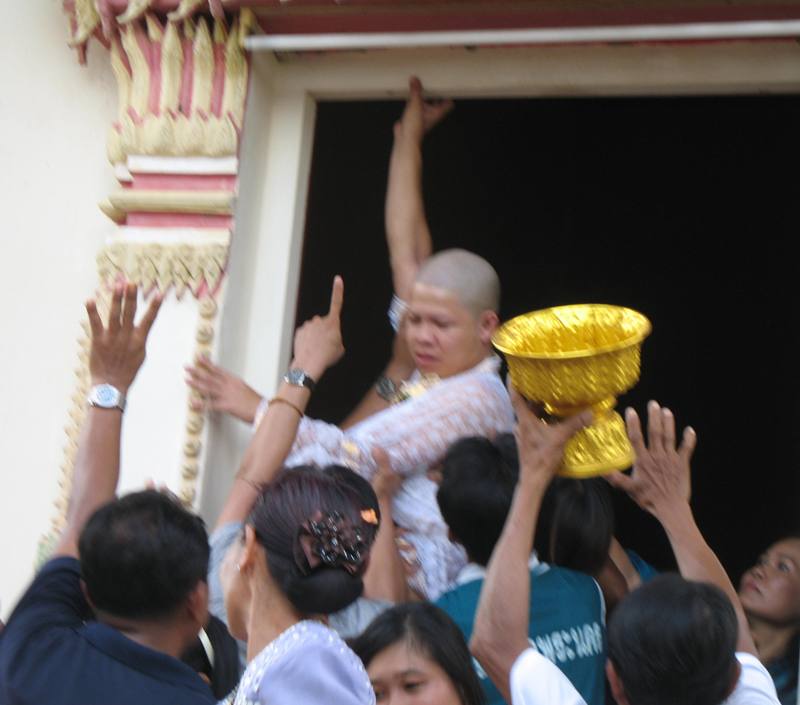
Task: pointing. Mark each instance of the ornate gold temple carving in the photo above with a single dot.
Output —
(182, 266)
(170, 104)
(195, 421)
(173, 128)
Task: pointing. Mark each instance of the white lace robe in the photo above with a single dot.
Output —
(416, 434)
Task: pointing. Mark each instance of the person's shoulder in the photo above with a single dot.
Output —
(755, 686)
(53, 599)
(545, 573)
(357, 616)
(570, 588)
(282, 674)
(460, 598)
(535, 679)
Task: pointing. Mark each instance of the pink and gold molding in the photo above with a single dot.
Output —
(182, 77)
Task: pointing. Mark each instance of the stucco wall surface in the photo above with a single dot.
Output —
(54, 115)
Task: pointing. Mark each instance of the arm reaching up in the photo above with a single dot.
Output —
(117, 352)
(661, 485)
(385, 578)
(407, 232)
(500, 634)
(317, 346)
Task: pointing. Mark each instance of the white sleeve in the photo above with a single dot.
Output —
(417, 433)
(755, 686)
(537, 681)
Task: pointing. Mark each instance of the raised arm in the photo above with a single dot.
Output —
(407, 232)
(385, 578)
(117, 352)
(317, 346)
(501, 630)
(661, 484)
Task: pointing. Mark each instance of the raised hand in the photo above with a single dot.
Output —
(118, 349)
(661, 477)
(221, 391)
(385, 482)
(318, 343)
(420, 116)
(541, 445)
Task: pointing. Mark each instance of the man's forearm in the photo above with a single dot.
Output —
(501, 622)
(696, 561)
(96, 473)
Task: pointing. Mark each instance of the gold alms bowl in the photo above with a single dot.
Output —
(572, 358)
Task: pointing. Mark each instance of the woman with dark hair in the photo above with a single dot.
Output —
(291, 547)
(417, 651)
(770, 595)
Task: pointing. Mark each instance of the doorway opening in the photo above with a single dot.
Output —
(682, 208)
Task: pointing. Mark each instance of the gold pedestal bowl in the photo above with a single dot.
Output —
(572, 358)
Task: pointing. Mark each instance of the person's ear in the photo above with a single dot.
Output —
(197, 604)
(617, 689)
(247, 555)
(487, 325)
(86, 595)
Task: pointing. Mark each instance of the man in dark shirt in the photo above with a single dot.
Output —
(108, 627)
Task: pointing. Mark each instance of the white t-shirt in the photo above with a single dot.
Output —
(536, 681)
(755, 686)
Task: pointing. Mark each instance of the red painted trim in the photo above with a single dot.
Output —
(179, 220)
(187, 84)
(394, 21)
(218, 86)
(184, 182)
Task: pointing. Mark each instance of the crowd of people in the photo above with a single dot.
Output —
(422, 552)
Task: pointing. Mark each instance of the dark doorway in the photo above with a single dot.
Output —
(683, 208)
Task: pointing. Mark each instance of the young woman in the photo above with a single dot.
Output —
(770, 595)
(415, 654)
(290, 548)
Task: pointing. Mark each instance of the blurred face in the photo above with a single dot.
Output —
(401, 675)
(443, 335)
(770, 590)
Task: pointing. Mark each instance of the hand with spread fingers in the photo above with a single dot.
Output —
(118, 349)
(661, 477)
(220, 390)
(420, 115)
(540, 444)
(318, 342)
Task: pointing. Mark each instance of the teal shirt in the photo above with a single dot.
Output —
(567, 625)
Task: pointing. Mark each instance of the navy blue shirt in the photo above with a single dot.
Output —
(50, 653)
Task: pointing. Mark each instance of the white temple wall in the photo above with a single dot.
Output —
(54, 115)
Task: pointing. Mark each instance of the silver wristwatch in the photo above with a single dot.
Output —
(299, 378)
(106, 396)
(386, 388)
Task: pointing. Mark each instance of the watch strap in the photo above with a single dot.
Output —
(300, 378)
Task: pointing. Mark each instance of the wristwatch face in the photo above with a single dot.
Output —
(386, 388)
(106, 396)
(299, 379)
